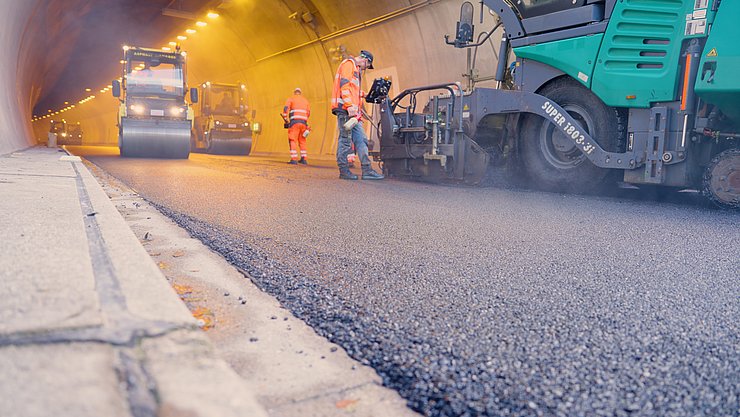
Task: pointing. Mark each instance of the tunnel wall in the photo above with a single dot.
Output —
(16, 100)
(255, 43)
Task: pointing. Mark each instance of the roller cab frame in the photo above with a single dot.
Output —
(154, 119)
(597, 91)
(222, 123)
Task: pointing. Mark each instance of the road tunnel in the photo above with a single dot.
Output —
(60, 57)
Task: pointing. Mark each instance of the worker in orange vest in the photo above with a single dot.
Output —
(346, 105)
(295, 114)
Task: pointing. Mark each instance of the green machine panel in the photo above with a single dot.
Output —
(575, 57)
(639, 61)
(718, 82)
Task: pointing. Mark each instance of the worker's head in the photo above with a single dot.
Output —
(365, 60)
(297, 91)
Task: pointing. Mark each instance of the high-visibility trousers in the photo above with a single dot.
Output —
(297, 140)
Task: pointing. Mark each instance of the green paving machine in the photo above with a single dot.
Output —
(154, 119)
(588, 92)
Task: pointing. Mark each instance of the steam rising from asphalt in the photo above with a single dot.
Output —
(85, 39)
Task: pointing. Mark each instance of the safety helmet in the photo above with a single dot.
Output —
(369, 56)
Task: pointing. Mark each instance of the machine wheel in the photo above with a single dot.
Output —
(721, 183)
(551, 160)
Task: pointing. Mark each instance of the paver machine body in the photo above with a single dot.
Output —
(641, 91)
(154, 119)
(222, 124)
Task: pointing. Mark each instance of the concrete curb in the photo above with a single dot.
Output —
(96, 330)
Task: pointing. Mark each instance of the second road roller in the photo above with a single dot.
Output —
(154, 119)
(222, 125)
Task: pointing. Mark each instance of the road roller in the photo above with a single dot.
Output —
(154, 118)
(586, 94)
(222, 124)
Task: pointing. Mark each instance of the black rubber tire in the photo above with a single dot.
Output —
(559, 165)
(723, 200)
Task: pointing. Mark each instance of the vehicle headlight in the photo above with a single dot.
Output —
(137, 108)
(64, 134)
(218, 123)
(176, 111)
(245, 124)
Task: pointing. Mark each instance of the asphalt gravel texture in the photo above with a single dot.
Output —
(481, 302)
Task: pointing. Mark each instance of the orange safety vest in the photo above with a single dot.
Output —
(347, 89)
(297, 110)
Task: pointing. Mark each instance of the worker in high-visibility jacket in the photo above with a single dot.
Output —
(346, 105)
(295, 114)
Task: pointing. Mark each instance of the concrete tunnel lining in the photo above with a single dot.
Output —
(252, 42)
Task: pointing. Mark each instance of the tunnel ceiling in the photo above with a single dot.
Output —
(88, 36)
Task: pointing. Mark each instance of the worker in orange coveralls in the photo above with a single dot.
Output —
(295, 114)
(347, 106)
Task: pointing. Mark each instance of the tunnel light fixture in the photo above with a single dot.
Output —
(201, 23)
(172, 44)
(126, 47)
(88, 89)
(190, 31)
(212, 15)
(122, 62)
(182, 38)
(166, 48)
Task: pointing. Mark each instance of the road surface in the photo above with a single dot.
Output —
(480, 301)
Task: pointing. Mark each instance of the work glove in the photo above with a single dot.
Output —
(353, 111)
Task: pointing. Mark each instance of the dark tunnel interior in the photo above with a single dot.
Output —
(57, 50)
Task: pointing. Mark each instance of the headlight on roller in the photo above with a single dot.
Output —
(137, 108)
(218, 123)
(176, 111)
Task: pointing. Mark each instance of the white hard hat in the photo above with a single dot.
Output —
(298, 89)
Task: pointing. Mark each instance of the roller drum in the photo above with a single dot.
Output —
(226, 144)
(155, 138)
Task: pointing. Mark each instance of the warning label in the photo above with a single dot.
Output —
(712, 53)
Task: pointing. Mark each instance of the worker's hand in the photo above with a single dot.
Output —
(353, 111)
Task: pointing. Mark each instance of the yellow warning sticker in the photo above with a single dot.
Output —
(712, 53)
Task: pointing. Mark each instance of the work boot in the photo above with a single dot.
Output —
(292, 162)
(347, 175)
(303, 161)
(369, 174)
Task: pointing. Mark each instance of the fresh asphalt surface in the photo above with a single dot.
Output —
(480, 301)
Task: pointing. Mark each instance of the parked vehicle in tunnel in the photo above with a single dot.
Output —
(67, 133)
(154, 119)
(602, 91)
(222, 124)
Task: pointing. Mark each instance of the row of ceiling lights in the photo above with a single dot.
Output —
(172, 44)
